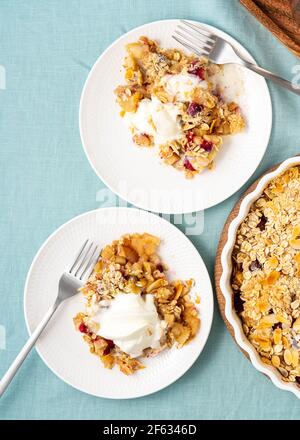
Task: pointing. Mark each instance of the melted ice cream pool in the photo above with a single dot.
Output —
(131, 322)
(229, 82)
(181, 85)
(156, 119)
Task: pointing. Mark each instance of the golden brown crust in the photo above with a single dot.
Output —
(266, 274)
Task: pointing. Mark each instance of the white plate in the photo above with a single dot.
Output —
(225, 284)
(137, 174)
(63, 349)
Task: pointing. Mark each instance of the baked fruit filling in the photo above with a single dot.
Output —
(132, 310)
(170, 101)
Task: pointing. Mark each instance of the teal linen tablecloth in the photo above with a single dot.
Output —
(46, 51)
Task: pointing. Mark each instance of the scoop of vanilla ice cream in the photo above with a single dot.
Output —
(182, 85)
(131, 322)
(156, 119)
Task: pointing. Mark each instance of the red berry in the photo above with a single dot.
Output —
(187, 164)
(238, 303)
(262, 223)
(110, 343)
(190, 136)
(83, 328)
(198, 71)
(194, 109)
(207, 145)
(110, 346)
(106, 351)
(159, 267)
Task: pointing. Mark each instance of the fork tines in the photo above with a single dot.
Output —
(195, 38)
(85, 260)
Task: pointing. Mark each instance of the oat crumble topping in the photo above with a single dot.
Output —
(266, 274)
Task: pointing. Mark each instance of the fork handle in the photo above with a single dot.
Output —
(269, 75)
(9, 375)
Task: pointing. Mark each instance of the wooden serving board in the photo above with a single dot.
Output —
(223, 240)
(281, 17)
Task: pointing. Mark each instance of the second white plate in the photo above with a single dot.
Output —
(63, 349)
(137, 174)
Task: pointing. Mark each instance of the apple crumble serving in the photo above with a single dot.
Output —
(132, 309)
(266, 274)
(169, 100)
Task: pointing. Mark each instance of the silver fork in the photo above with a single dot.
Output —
(68, 286)
(204, 43)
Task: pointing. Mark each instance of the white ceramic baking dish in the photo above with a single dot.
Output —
(225, 286)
